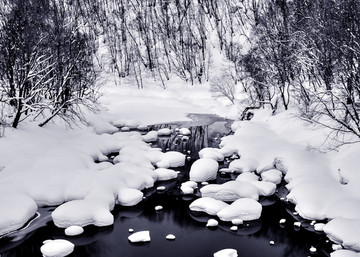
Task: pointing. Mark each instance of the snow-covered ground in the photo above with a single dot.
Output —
(57, 165)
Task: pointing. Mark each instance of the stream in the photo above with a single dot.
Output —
(193, 238)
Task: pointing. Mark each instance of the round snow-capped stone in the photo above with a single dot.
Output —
(212, 223)
(237, 222)
(125, 129)
(164, 132)
(160, 188)
(158, 208)
(234, 228)
(185, 131)
(74, 230)
(312, 249)
(141, 236)
(226, 253)
(170, 237)
(57, 248)
(282, 221)
(204, 170)
(271, 242)
(131, 230)
(319, 226)
(297, 224)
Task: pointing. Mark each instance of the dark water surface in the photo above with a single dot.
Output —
(193, 238)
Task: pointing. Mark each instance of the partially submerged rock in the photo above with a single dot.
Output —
(57, 248)
(140, 237)
(208, 205)
(204, 170)
(231, 191)
(244, 209)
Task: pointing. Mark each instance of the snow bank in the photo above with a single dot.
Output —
(140, 237)
(16, 210)
(208, 205)
(204, 169)
(344, 231)
(57, 248)
(129, 196)
(244, 209)
(231, 191)
(226, 253)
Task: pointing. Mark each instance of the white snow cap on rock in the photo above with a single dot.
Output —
(203, 170)
(171, 159)
(165, 174)
(151, 136)
(164, 132)
(211, 153)
(185, 131)
(244, 165)
(57, 248)
(74, 231)
(139, 237)
(188, 187)
(129, 196)
(344, 253)
(208, 205)
(272, 175)
(212, 223)
(344, 231)
(226, 253)
(231, 191)
(247, 176)
(244, 208)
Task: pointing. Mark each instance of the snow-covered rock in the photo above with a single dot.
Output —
(265, 188)
(244, 208)
(227, 151)
(231, 191)
(211, 153)
(165, 174)
(74, 231)
(170, 237)
(151, 136)
(129, 196)
(57, 248)
(164, 132)
(237, 222)
(212, 223)
(139, 237)
(185, 131)
(226, 253)
(16, 210)
(204, 170)
(82, 213)
(244, 165)
(188, 187)
(171, 159)
(208, 205)
(344, 253)
(247, 176)
(272, 175)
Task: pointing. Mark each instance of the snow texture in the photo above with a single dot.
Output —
(129, 196)
(165, 174)
(226, 253)
(171, 159)
(57, 248)
(204, 169)
(140, 237)
(273, 175)
(208, 205)
(344, 253)
(211, 153)
(244, 209)
(244, 165)
(74, 231)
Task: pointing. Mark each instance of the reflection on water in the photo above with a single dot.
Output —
(193, 238)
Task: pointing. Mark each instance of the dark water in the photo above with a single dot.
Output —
(193, 238)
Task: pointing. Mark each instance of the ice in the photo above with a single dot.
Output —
(151, 136)
(231, 191)
(247, 176)
(212, 223)
(344, 231)
(244, 208)
(171, 159)
(164, 132)
(140, 237)
(57, 248)
(211, 153)
(82, 213)
(129, 196)
(165, 174)
(273, 175)
(244, 165)
(226, 253)
(74, 231)
(16, 210)
(208, 205)
(344, 253)
(204, 169)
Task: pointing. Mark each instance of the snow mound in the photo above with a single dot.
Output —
(211, 153)
(244, 209)
(244, 165)
(74, 231)
(188, 187)
(247, 176)
(151, 136)
(164, 132)
(226, 253)
(57, 248)
(344, 253)
(129, 196)
(171, 159)
(16, 210)
(208, 205)
(82, 213)
(139, 237)
(170, 237)
(212, 223)
(165, 174)
(227, 151)
(265, 188)
(203, 170)
(272, 175)
(231, 191)
(344, 231)
(185, 131)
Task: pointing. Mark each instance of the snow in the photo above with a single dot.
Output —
(170, 237)
(244, 165)
(226, 253)
(247, 176)
(230, 191)
(129, 196)
(185, 131)
(140, 237)
(165, 174)
(244, 209)
(208, 205)
(273, 175)
(151, 136)
(212, 223)
(171, 159)
(204, 169)
(57, 248)
(211, 153)
(344, 253)
(188, 187)
(16, 210)
(237, 222)
(74, 231)
(164, 132)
